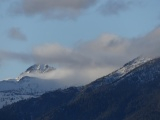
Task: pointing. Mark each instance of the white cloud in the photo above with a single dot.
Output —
(54, 53)
(96, 58)
(85, 63)
(90, 60)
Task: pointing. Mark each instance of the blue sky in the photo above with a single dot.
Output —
(32, 31)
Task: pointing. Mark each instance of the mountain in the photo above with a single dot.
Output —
(25, 86)
(40, 68)
(116, 75)
(36, 69)
(130, 95)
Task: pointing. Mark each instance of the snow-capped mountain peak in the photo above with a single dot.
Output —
(111, 78)
(26, 85)
(36, 69)
(39, 68)
(133, 64)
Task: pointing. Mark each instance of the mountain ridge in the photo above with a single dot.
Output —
(133, 96)
(128, 67)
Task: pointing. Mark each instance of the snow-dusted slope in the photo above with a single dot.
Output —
(7, 98)
(114, 76)
(24, 86)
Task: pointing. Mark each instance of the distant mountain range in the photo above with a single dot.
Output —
(130, 93)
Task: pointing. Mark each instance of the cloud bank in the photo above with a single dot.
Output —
(96, 58)
(90, 60)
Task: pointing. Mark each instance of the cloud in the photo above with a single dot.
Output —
(105, 48)
(16, 34)
(7, 55)
(57, 54)
(89, 60)
(85, 63)
(58, 9)
(93, 53)
(96, 58)
(114, 7)
(70, 9)
(147, 45)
